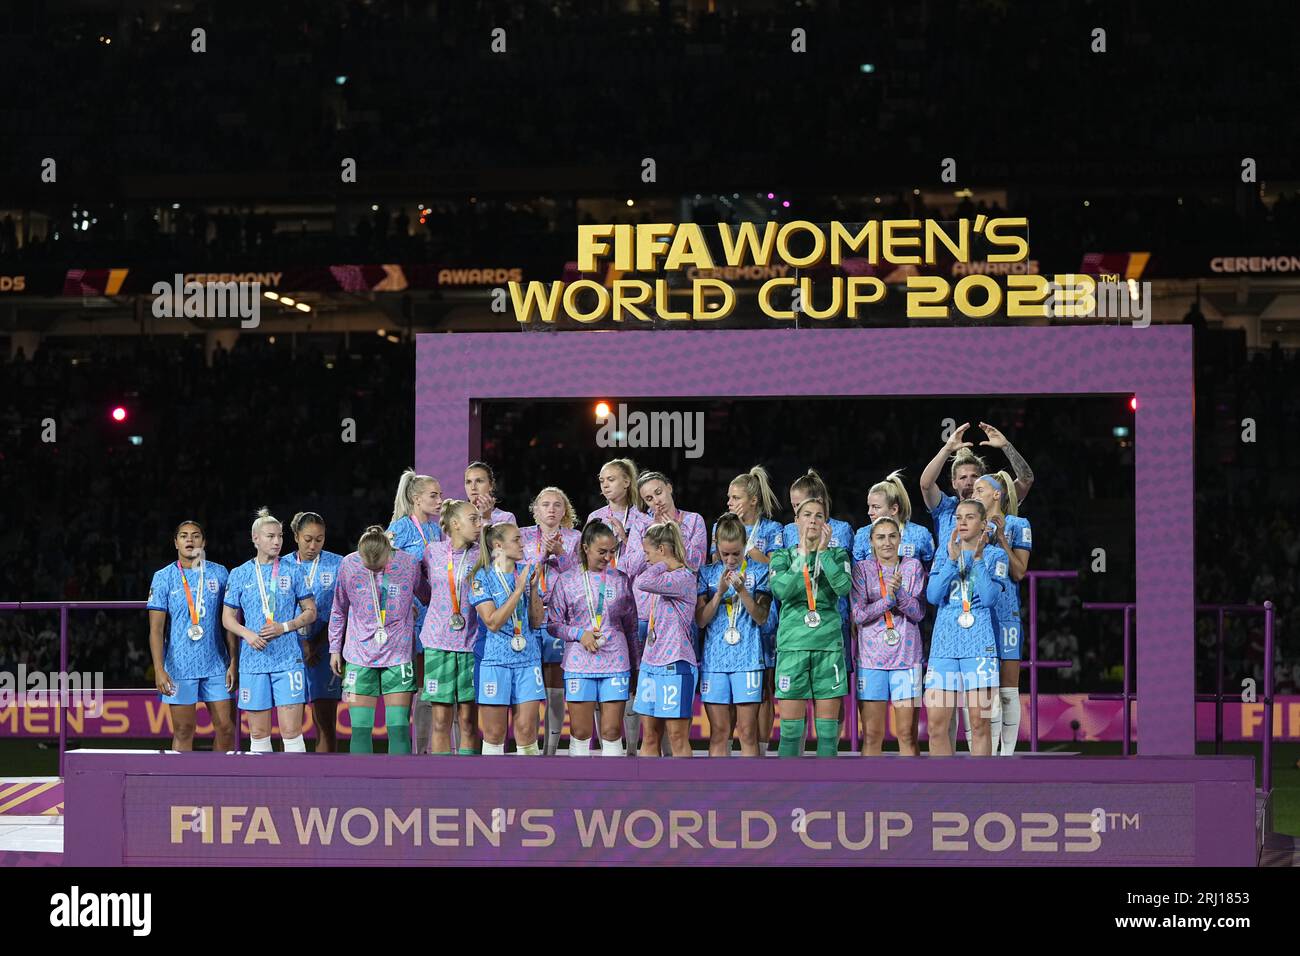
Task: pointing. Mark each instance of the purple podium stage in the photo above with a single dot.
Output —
(278, 809)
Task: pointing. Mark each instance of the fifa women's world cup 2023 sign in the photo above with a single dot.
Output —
(816, 254)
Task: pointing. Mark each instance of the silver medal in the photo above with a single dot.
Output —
(812, 618)
(732, 635)
(966, 619)
(518, 643)
(891, 637)
(196, 632)
(457, 622)
(381, 636)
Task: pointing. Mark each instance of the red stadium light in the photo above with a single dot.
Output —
(119, 414)
(1133, 404)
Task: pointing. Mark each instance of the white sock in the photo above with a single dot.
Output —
(665, 748)
(293, 745)
(554, 718)
(995, 723)
(455, 733)
(952, 727)
(421, 726)
(490, 749)
(261, 745)
(528, 750)
(1010, 719)
(579, 748)
(611, 748)
(632, 733)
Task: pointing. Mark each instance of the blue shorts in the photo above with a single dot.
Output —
(901, 684)
(191, 690)
(501, 686)
(321, 682)
(552, 648)
(666, 690)
(586, 688)
(768, 635)
(735, 687)
(962, 673)
(1010, 647)
(264, 691)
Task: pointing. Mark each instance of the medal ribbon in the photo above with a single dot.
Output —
(542, 558)
(420, 530)
(453, 579)
(267, 610)
(597, 613)
(613, 562)
(509, 589)
(380, 594)
(965, 590)
(889, 618)
(809, 583)
(189, 597)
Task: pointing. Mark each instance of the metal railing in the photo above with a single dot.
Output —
(63, 607)
(1129, 696)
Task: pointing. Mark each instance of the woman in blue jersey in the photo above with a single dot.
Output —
(193, 657)
(732, 607)
(262, 596)
(889, 498)
(319, 568)
(964, 468)
(750, 498)
(414, 524)
(966, 586)
(1012, 534)
(481, 492)
(509, 672)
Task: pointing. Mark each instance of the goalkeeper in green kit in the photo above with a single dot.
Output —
(808, 580)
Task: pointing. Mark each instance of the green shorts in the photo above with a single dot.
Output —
(448, 677)
(376, 681)
(810, 675)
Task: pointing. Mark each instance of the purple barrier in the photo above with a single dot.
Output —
(140, 715)
(277, 809)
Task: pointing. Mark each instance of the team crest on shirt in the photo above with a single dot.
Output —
(907, 550)
(704, 687)
(212, 586)
(783, 682)
(283, 581)
(326, 578)
(489, 688)
(350, 680)
(575, 685)
(431, 685)
(245, 695)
